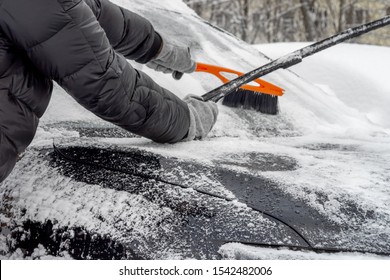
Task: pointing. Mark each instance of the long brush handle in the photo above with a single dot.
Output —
(294, 58)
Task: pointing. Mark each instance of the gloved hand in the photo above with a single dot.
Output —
(203, 116)
(173, 57)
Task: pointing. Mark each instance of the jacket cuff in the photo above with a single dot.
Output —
(192, 129)
(155, 48)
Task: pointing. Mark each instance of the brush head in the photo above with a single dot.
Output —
(241, 98)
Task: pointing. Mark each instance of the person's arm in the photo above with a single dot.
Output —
(130, 34)
(135, 38)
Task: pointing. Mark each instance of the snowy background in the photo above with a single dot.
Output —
(322, 164)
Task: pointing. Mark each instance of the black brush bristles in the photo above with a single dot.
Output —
(247, 99)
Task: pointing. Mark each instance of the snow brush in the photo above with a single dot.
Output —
(260, 95)
(233, 97)
(262, 91)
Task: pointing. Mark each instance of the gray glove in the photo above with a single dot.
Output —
(203, 116)
(173, 57)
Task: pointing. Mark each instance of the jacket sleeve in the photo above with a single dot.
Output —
(130, 34)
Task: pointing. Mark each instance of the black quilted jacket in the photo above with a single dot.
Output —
(83, 46)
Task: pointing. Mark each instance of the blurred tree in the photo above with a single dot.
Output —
(260, 21)
(308, 15)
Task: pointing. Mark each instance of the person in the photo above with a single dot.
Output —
(83, 45)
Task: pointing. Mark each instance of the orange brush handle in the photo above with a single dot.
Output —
(262, 86)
